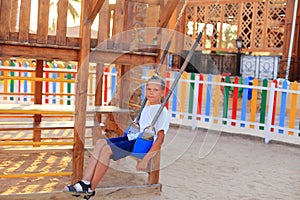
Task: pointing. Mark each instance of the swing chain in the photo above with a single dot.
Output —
(148, 133)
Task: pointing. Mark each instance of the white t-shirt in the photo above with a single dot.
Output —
(148, 114)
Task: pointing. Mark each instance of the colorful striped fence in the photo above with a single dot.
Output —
(263, 108)
(22, 89)
(246, 106)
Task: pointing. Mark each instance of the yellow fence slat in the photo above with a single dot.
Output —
(293, 108)
(253, 102)
(216, 99)
(183, 96)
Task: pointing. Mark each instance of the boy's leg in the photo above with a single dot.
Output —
(89, 171)
(102, 166)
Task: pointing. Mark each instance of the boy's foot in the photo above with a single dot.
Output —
(80, 187)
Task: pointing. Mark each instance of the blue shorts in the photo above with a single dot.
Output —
(120, 147)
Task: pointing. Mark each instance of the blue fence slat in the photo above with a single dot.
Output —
(113, 81)
(175, 95)
(208, 97)
(244, 102)
(283, 106)
(26, 65)
(54, 75)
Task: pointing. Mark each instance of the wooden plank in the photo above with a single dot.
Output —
(118, 25)
(104, 15)
(56, 109)
(35, 109)
(39, 79)
(23, 150)
(5, 14)
(106, 193)
(10, 126)
(61, 31)
(95, 8)
(72, 43)
(38, 52)
(24, 20)
(14, 15)
(43, 19)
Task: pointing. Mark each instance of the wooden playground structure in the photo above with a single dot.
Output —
(126, 51)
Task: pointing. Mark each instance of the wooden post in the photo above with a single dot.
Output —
(96, 131)
(102, 36)
(81, 93)
(154, 165)
(38, 99)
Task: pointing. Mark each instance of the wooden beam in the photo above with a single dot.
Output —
(81, 92)
(167, 12)
(150, 2)
(38, 98)
(111, 193)
(96, 6)
(37, 52)
(122, 58)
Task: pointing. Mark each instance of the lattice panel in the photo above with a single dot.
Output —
(275, 24)
(200, 22)
(259, 25)
(246, 25)
(212, 33)
(230, 25)
(190, 25)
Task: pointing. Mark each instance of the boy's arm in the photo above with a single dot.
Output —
(142, 165)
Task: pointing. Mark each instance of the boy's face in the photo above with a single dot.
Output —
(154, 92)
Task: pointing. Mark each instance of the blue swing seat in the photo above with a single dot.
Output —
(141, 146)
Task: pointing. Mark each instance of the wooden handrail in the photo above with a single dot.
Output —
(38, 79)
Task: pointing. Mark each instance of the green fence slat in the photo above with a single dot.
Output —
(226, 97)
(12, 82)
(191, 100)
(263, 104)
(69, 77)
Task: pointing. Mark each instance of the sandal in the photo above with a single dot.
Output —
(80, 187)
(90, 195)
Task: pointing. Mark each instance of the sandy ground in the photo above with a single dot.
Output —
(195, 165)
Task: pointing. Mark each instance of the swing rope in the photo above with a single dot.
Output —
(166, 50)
(174, 84)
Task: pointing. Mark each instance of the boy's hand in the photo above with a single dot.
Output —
(142, 165)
